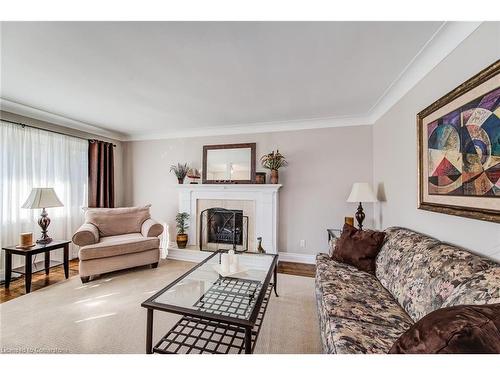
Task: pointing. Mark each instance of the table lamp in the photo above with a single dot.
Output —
(43, 198)
(361, 192)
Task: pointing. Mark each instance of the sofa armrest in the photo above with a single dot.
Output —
(87, 234)
(151, 228)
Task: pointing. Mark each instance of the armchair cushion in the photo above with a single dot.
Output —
(116, 221)
(118, 245)
(151, 228)
(87, 234)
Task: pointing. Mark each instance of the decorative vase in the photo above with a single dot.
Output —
(181, 181)
(274, 176)
(182, 240)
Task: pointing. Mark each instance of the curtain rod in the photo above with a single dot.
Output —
(47, 130)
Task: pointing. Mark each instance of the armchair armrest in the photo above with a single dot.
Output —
(87, 234)
(151, 228)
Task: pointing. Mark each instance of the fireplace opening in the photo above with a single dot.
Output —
(220, 226)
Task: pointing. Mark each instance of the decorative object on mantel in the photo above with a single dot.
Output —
(194, 175)
(229, 164)
(182, 225)
(260, 177)
(349, 220)
(361, 192)
(260, 249)
(273, 161)
(180, 171)
(25, 240)
(459, 150)
(43, 198)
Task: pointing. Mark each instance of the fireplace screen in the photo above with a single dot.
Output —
(221, 228)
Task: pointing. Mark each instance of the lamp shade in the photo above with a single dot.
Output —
(42, 198)
(361, 192)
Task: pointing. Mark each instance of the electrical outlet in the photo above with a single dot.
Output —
(302, 244)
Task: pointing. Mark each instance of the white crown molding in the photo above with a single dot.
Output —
(448, 37)
(38, 114)
(258, 127)
(297, 258)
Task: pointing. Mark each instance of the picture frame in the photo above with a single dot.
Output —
(458, 145)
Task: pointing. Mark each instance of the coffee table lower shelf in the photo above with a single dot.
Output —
(192, 335)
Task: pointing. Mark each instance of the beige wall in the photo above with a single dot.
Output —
(323, 164)
(118, 152)
(395, 156)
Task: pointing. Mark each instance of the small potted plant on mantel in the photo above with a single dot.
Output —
(180, 171)
(182, 225)
(273, 161)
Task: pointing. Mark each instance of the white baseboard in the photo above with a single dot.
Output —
(187, 255)
(298, 258)
(190, 255)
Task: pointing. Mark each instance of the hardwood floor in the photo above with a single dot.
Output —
(40, 280)
(298, 269)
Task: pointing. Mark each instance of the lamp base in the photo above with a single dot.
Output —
(44, 240)
(44, 223)
(360, 216)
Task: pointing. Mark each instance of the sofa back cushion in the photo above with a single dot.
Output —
(398, 267)
(421, 272)
(116, 221)
(482, 288)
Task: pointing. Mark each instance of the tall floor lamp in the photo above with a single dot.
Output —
(361, 192)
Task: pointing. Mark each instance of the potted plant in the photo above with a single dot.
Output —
(180, 171)
(273, 161)
(182, 225)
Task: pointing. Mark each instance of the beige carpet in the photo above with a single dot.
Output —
(105, 316)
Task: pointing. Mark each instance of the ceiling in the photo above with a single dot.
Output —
(159, 79)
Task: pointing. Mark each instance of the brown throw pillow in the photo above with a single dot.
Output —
(459, 329)
(358, 248)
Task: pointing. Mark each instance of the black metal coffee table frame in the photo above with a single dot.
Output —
(202, 331)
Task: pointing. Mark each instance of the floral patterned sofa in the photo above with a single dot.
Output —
(415, 274)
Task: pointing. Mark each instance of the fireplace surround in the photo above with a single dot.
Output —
(259, 202)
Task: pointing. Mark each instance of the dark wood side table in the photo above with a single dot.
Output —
(28, 269)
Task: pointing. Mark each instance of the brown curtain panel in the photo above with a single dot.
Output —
(101, 174)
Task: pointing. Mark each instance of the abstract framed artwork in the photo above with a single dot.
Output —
(459, 150)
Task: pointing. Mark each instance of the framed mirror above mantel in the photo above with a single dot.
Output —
(229, 164)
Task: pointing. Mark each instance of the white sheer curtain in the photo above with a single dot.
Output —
(37, 158)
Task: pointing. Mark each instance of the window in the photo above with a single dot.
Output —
(37, 158)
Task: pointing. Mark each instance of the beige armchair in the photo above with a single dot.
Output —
(113, 239)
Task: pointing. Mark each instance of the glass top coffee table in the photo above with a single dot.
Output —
(219, 314)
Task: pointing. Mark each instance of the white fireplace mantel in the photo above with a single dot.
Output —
(265, 197)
